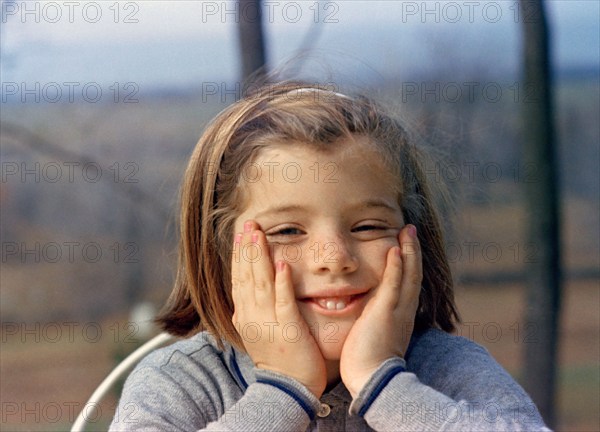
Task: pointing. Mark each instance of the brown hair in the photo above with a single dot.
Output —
(211, 198)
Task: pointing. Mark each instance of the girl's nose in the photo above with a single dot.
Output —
(331, 254)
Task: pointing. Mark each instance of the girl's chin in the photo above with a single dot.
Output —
(331, 339)
(330, 333)
(331, 352)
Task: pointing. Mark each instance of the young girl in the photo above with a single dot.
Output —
(313, 285)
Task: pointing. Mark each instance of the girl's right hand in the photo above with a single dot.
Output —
(265, 309)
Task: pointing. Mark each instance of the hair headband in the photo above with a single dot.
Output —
(315, 89)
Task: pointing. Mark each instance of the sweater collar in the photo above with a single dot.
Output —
(242, 368)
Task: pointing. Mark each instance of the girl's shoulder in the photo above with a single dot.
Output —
(458, 367)
(433, 354)
(437, 342)
(194, 375)
(199, 346)
(436, 350)
(192, 360)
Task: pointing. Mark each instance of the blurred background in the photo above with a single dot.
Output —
(103, 102)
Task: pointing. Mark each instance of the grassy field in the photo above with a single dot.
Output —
(46, 378)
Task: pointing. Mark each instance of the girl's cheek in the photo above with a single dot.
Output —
(376, 254)
(291, 254)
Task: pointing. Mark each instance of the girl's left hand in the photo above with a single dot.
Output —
(385, 326)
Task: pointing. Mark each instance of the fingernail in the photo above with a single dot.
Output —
(412, 231)
(279, 266)
(248, 226)
(238, 238)
(254, 237)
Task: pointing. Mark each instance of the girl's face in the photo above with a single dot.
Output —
(332, 216)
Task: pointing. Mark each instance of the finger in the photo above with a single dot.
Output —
(389, 291)
(286, 308)
(262, 270)
(235, 281)
(245, 273)
(412, 274)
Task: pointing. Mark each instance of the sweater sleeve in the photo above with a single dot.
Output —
(455, 386)
(153, 401)
(273, 402)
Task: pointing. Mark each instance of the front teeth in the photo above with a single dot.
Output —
(332, 304)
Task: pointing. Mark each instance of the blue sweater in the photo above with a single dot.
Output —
(445, 383)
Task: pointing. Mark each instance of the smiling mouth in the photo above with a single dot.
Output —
(336, 303)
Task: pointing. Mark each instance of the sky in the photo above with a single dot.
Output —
(173, 44)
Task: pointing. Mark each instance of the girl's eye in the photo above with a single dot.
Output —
(373, 231)
(288, 231)
(368, 228)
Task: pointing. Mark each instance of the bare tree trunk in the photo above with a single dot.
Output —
(252, 44)
(541, 183)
